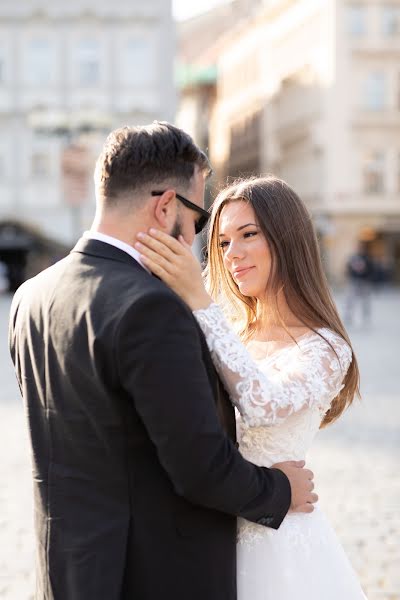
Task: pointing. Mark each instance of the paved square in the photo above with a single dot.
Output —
(355, 462)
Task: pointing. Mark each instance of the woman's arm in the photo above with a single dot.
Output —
(313, 378)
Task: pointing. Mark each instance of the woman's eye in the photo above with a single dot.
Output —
(223, 244)
(250, 234)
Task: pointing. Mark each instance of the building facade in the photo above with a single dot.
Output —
(69, 73)
(310, 90)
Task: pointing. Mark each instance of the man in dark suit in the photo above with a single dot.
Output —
(137, 478)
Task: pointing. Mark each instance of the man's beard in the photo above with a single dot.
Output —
(177, 228)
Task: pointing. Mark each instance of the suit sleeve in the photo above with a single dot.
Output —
(160, 364)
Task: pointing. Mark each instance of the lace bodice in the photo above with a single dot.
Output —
(282, 397)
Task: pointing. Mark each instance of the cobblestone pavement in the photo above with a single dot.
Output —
(355, 462)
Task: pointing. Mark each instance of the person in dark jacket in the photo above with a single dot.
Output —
(360, 271)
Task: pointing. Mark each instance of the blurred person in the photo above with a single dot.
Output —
(4, 285)
(292, 372)
(360, 271)
(383, 275)
(137, 479)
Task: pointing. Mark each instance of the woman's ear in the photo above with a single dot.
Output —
(165, 210)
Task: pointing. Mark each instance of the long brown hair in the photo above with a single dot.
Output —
(296, 269)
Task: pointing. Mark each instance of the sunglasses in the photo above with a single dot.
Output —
(201, 222)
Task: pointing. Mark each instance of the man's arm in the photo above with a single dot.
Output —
(160, 364)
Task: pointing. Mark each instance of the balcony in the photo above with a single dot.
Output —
(365, 204)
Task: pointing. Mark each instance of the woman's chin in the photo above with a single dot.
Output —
(246, 290)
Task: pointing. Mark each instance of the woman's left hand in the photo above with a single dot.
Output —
(174, 263)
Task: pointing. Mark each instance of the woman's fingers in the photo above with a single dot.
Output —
(155, 245)
(155, 257)
(155, 268)
(185, 244)
(170, 242)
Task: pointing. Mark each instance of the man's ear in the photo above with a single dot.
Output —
(165, 209)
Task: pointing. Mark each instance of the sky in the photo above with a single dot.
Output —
(184, 9)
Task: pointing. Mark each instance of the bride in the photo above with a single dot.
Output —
(284, 356)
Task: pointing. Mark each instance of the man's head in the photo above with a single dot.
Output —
(137, 161)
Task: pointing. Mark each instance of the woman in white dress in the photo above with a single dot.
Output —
(289, 369)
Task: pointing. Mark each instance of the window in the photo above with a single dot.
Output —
(3, 63)
(398, 91)
(357, 20)
(139, 61)
(89, 62)
(39, 62)
(391, 20)
(375, 91)
(398, 172)
(40, 165)
(373, 173)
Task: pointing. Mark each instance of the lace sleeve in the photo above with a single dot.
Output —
(311, 377)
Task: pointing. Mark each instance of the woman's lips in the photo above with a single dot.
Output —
(239, 273)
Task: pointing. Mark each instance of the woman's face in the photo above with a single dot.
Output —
(244, 248)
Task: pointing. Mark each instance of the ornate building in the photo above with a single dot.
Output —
(322, 82)
(310, 90)
(69, 73)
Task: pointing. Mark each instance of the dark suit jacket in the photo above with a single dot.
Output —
(137, 486)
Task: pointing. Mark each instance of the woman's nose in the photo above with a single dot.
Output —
(233, 251)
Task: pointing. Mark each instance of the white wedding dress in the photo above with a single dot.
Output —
(282, 397)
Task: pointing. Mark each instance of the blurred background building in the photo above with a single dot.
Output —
(308, 90)
(69, 73)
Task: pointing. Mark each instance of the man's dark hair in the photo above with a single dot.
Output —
(138, 158)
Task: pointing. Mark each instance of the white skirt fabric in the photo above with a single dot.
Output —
(302, 560)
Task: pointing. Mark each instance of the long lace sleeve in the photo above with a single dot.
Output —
(311, 377)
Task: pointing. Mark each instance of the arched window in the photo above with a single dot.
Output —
(138, 61)
(375, 91)
(39, 62)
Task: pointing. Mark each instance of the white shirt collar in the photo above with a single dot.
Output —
(108, 239)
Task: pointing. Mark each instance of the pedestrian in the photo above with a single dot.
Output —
(3, 278)
(360, 276)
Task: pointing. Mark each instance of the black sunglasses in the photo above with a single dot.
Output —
(204, 215)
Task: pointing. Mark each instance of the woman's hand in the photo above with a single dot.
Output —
(173, 261)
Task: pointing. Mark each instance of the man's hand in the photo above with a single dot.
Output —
(301, 483)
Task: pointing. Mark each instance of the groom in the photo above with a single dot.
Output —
(137, 479)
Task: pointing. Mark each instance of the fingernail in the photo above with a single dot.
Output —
(153, 231)
(138, 245)
(140, 235)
